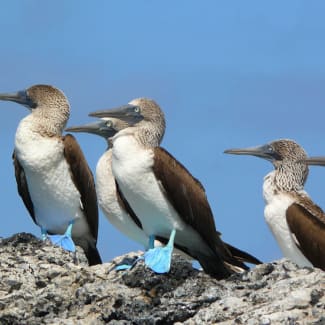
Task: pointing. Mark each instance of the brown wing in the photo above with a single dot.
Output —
(188, 198)
(83, 180)
(307, 222)
(23, 187)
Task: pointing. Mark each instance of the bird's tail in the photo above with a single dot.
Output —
(90, 250)
(227, 261)
(242, 256)
(235, 259)
(211, 263)
(214, 266)
(93, 256)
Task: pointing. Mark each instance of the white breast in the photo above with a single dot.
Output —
(107, 199)
(132, 167)
(275, 216)
(55, 198)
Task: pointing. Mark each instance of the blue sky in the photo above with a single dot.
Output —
(226, 73)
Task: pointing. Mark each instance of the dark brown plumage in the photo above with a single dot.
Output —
(23, 187)
(188, 197)
(307, 222)
(83, 179)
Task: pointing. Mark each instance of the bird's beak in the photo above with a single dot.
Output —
(100, 127)
(263, 151)
(20, 97)
(127, 113)
(316, 161)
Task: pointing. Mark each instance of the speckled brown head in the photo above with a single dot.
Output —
(48, 105)
(285, 151)
(143, 114)
(47, 96)
(287, 157)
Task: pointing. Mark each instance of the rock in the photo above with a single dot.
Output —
(42, 284)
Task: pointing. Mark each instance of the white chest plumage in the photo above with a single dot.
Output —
(107, 199)
(277, 204)
(55, 198)
(132, 167)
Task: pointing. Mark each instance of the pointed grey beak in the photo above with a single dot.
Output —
(316, 161)
(19, 97)
(264, 151)
(100, 127)
(131, 114)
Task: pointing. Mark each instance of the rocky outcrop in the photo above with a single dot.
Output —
(42, 284)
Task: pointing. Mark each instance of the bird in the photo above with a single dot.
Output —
(111, 201)
(53, 177)
(295, 221)
(169, 202)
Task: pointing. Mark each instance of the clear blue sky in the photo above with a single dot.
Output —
(226, 73)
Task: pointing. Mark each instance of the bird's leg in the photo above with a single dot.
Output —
(43, 233)
(65, 241)
(151, 241)
(159, 259)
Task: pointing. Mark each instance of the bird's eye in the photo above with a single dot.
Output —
(109, 123)
(136, 109)
(270, 149)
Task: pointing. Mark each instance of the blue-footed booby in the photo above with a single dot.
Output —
(297, 224)
(53, 178)
(167, 199)
(110, 199)
(114, 206)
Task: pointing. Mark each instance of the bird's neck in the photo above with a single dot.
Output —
(149, 135)
(43, 126)
(125, 145)
(145, 136)
(290, 177)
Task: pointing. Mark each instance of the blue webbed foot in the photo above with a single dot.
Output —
(159, 259)
(128, 265)
(65, 241)
(123, 267)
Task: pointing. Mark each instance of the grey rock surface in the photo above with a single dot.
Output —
(42, 284)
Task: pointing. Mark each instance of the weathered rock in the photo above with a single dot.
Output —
(42, 284)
